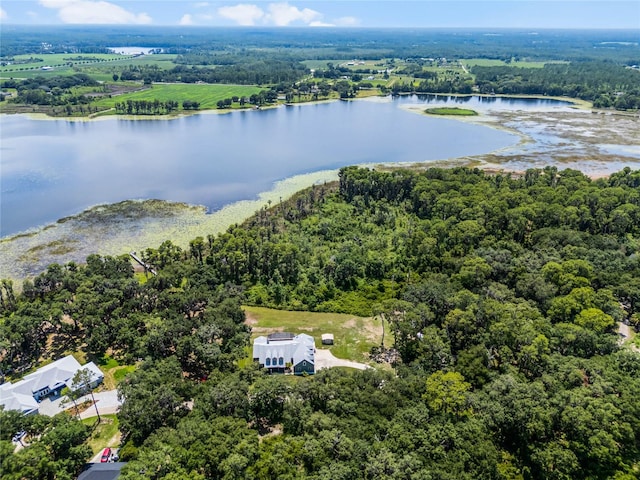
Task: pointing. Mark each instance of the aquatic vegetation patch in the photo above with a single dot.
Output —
(132, 225)
(464, 112)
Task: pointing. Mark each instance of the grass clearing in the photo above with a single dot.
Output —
(354, 336)
(114, 373)
(105, 434)
(488, 62)
(456, 111)
(207, 95)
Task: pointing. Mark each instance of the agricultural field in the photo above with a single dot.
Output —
(354, 336)
(207, 95)
(486, 62)
(21, 64)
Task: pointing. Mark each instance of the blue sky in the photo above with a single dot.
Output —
(347, 13)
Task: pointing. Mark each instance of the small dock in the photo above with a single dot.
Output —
(146, 266)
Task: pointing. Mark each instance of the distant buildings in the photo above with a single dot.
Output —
(49, 380)
(280, 352)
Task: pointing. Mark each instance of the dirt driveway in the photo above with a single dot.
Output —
(325, 359)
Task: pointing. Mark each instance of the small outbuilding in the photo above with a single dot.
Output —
(327, 338)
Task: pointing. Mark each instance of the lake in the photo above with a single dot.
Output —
(55, 168)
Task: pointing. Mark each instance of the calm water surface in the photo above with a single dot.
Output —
(55, 168)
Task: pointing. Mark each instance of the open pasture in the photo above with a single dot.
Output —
(207, 95)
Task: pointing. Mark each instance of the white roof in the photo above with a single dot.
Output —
(53, 375)
(12, 399)
(19, 395)
(299, 348)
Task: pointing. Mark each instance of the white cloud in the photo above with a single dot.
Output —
(347, 21)
(186, 19)
(242, 14)
(283, 14)
(321, 24)
(96, 12)
(280, 14)
(3, 14)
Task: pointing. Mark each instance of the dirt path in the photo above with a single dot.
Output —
(625, 333)
(325, 359)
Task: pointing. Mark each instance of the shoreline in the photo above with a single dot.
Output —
(105, 230)
(575, 102)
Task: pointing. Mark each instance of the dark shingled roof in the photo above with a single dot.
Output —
(280, 336)
(102, 471)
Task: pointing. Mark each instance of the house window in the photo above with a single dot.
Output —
(267, 362)
(281, 361)
(274, 361)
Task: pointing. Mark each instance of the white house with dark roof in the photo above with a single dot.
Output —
(46, 381)
(279, 351)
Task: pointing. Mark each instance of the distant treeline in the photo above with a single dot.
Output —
(50, 90)
(620, 46)
(42, 82)
(247, 73)
(604, 82)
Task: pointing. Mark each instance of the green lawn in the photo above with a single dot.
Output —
(207, 95)
(353, 336)
(114, 373)
(105, 434)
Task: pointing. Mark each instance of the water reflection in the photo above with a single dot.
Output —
(52, 169)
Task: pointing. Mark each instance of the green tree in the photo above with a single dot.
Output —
(447, 393)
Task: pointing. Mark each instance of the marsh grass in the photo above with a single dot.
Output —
(119, 228)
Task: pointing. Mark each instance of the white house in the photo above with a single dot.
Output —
(48, 380)
(279, 351)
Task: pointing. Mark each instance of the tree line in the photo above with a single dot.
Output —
(153, 107)
(258, 72)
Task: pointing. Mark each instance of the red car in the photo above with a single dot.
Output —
(106, 455)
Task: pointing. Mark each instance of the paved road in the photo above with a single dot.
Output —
(107, 403)
(325, 359)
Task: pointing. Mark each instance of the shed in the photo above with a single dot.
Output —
(327, 338)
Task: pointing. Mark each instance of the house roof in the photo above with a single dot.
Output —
(19, 395)
(54, 374)
(12, 399)
(292, 348)
(102, 471)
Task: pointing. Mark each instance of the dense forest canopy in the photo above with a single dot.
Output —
(502, 292)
